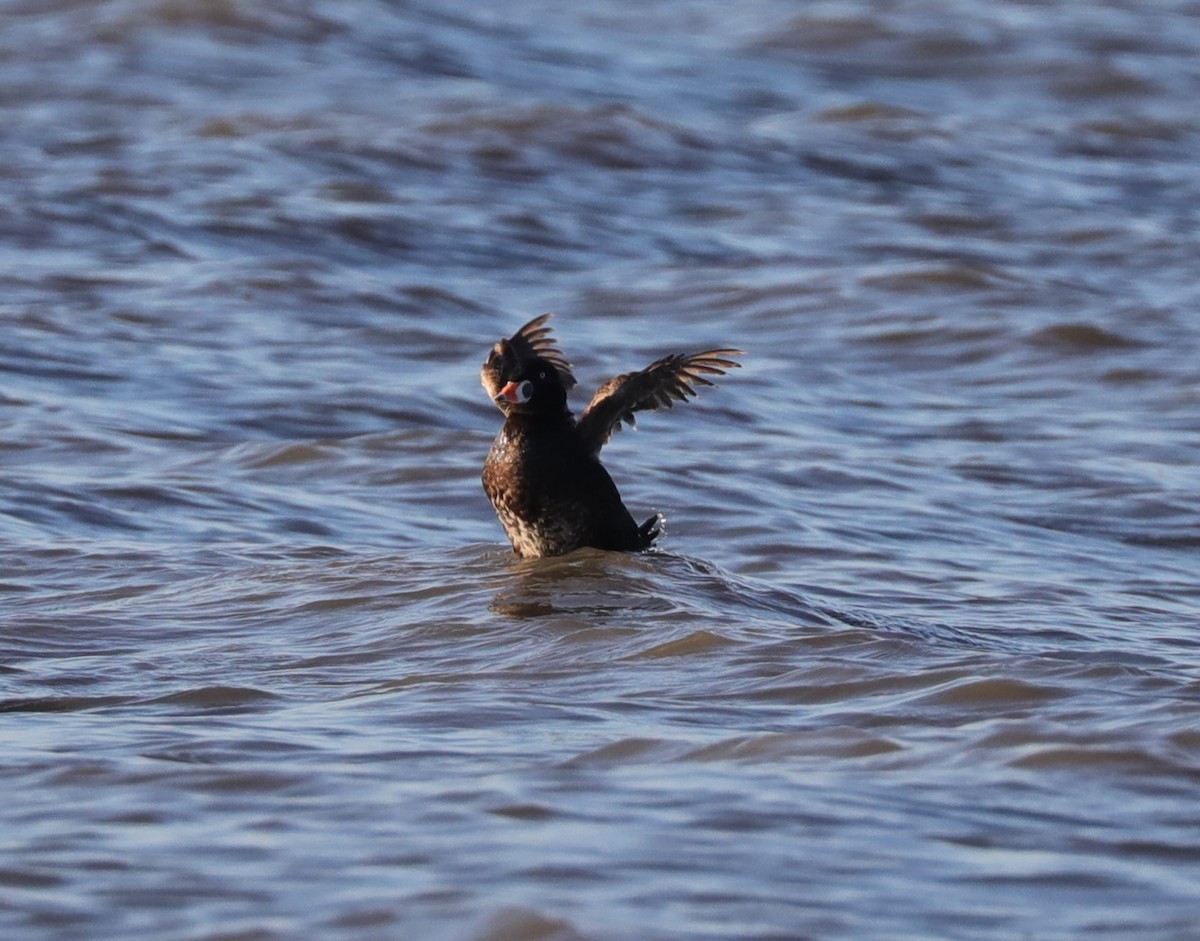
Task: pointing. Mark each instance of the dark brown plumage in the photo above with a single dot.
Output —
(543, 473)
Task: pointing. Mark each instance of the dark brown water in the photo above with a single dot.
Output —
(920, 657)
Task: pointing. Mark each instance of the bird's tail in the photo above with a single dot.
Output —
(650, 530)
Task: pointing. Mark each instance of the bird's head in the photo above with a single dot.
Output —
(536, 389)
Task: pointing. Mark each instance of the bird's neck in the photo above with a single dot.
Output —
(526, 422)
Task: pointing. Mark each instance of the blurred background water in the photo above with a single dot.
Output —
(919, 655)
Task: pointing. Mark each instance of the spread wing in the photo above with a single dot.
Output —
(660, 385)
(535, 340)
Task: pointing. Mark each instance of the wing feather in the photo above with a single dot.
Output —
(507, 358)
(664, 382)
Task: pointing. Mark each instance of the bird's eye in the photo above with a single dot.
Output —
(542, 374)
(525, 390)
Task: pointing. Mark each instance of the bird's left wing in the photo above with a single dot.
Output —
(660, 385)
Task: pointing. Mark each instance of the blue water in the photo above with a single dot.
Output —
(918, 657)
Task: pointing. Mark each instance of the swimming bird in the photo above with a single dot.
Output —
(543, 473)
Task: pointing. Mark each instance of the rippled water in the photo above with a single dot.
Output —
(919, 657)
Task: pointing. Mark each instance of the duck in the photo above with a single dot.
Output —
(543, 474)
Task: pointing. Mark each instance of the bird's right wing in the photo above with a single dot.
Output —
(535, 340)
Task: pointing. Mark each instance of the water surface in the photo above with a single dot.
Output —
(918, 657)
